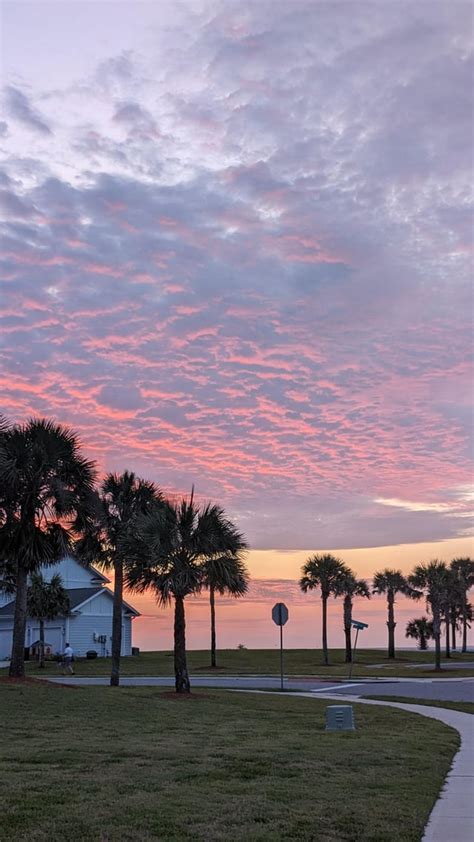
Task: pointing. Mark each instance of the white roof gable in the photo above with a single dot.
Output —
(74, 574)
(103, 598)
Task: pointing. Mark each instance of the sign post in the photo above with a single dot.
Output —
(280, 617)
(358, 625)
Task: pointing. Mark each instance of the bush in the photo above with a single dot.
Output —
(91, 653)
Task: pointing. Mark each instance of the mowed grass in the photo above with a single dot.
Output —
(370, 662)
(464, 707)
(109, 764)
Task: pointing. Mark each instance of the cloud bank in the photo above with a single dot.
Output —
(237, 253)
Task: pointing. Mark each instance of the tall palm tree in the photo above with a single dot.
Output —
(349, 587)
(123, 497)
(464, 570)
(391, 582)
(459, 615)
(432, 579)
(453, 596)
(46, 601)
(7, 566)
(225, 574)
(46, 502)
(325, 572)
(169, 552)
(420, 629)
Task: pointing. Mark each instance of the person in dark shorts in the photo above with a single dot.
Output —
(68, 658)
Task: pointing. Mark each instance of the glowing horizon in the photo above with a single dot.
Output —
(252, 614)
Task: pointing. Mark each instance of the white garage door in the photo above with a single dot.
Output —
(5, 643)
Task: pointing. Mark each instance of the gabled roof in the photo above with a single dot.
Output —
(77, 598)
(96, 574)
(8, 610)
(95, 592)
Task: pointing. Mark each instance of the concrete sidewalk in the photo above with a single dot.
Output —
(452, 817)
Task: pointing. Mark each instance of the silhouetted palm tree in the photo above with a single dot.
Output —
(432, 579)
(420, 629)
(225, 574)
(325, 572)
(453, 597)
(168, 554)
(46, 502)
(122, 498)
(7, 566)
(46, 601)
(391, 582)
(464, 570)
(349, 587)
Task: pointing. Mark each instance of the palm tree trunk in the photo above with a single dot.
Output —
(41, 644)
(325, 630)
(213, 625)
(17, 664)
(437, 637)
(180, 666)
(423, 643)
(347, 627)
(391, 624)
(447, 613)
(453, 631)
(117, 624)
(464, 624)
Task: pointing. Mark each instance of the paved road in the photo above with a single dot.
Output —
(452, 689)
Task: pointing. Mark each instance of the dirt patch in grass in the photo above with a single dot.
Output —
(9, 679)
(181, 697)
(36, 682)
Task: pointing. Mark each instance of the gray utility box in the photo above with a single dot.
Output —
(340, 718)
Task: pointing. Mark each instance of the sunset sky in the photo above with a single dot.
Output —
(238, 253)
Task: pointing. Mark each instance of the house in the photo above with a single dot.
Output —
(89, 624)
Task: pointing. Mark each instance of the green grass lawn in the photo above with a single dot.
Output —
(267, 662)
(464, 707)
(109, 764)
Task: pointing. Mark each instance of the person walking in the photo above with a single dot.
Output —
(68, 657)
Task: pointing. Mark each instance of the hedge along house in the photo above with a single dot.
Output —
(89, 623)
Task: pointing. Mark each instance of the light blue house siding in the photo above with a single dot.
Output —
(89, 624)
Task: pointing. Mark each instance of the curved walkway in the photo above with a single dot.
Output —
(452, 817)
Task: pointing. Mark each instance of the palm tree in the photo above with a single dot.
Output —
(349, 587)
(122, 498)
(392, 582)
(326, 572)
(453, 596)
(7, 567)
(420, 629)
(46, 601)
(46, 502)
(226, 574)
(458, 615)
(464, 570)
(169, 553)
(433, 580)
